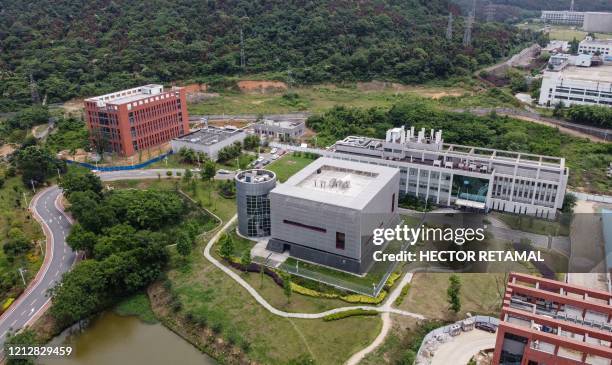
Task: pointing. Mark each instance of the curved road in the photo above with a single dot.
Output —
(59, 258)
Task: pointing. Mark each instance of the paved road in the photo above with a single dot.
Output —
(252, 117)
(151, 174)
(59, 258)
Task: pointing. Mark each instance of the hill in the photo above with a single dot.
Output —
(74, 48)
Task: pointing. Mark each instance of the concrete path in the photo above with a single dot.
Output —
(459, 350)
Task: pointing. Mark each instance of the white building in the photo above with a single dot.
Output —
(464, 176)
(563, 17)
(577, 85)
(601, 47)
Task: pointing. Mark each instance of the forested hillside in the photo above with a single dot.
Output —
(71, 48)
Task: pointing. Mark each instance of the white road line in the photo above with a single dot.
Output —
(12, 324)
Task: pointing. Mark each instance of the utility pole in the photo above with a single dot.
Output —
(34, 90)
(467, 36)
(33, 187)
(449, 27)
(22, 277)
(490, 12)
(242, 57)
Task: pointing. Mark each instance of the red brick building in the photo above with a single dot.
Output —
(133, 120)
(550, 322)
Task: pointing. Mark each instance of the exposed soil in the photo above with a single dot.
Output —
(432, 93)
(261, 86)
(201, 337)
(73, 106)
(7, 149)
(238, 123)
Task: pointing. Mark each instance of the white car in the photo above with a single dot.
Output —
(274, 157)
(260, 159)
(223, 172)
(274, 150)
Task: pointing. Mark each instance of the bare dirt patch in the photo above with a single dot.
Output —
(261, 86)
(433, 93)
(7, 149)
(238, 123)
(73, 106)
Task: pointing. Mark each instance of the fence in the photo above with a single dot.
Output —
(445, 330)
(120, 168)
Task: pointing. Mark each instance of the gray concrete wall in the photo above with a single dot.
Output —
(598, 22)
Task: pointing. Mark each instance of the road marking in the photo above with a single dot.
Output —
(34, 301)
(12, 324)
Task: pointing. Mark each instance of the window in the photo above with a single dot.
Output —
(301, 225)
(340, 240)
(393, 203)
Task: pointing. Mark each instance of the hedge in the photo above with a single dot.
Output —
(349, 313)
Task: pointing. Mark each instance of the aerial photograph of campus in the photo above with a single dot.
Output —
(306, 182)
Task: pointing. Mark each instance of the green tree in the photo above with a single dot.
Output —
(16, 245)
(188, 175)
(251, 142)
(35, 164)
(184, 244)
(246, 259)
(453, 293)
(226, 246)
(574, 45)
(81, 239)
(287, 290)
(75, 180)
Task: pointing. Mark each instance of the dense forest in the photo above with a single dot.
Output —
(55, 50)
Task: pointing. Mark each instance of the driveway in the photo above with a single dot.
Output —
(459, 350)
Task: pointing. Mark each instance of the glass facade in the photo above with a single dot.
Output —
(470, 188)
(258, 215)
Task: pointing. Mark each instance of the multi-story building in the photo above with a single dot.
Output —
(133, 120)
(563, 17)
(577, 85)
(456, 175)
(545, 321)
(283, 130)
(253, 202)
(598, 22)
(599, 47)
(327, 212)
(209, 140)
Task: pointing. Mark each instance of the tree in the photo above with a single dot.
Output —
(74, 181)
(35, 164)
(81, 239)
(226, 247)
(453, 293)
(188, 175)
(246, 259)
(569, 202)
(184, 244)
(287, 290)
(574, 45)
(251, 142)
(17, 244)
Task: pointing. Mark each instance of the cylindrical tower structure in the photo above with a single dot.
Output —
(253, 202)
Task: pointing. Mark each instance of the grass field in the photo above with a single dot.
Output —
(14, 197)
(137, 305)
(480, 294)
(533, 225)
(204, 290)
(564, 32)
(288, 165)
(318, 98)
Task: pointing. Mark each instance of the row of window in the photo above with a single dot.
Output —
(153, 111)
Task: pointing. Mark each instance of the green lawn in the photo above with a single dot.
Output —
(137, 305)
(14, 215)
(533, 225)
(288, 165)
(205, 291)
(480, 294)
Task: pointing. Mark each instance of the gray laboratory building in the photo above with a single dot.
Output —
(253, 202)
(327, 212)
(283, 130)
(209, 140)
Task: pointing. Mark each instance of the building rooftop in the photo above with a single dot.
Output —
(338, 182)
(128, 95)
(210, 135)
(601, 73)
(255, 176)
(281, 123)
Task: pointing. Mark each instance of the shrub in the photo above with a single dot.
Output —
(403, 293)
(364, 299)
(349, 313)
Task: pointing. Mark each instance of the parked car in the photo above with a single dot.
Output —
(260, 159)
(485, 326)
(223, 172)
(274, 157)
(274, 150)
(266, 162)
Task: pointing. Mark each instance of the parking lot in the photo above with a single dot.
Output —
(460, 349)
